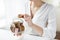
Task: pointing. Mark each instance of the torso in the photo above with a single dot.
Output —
(34, 9)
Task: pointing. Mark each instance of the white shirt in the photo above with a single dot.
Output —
(46, 14)
(10, 10)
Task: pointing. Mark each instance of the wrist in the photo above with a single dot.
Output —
(31, 24)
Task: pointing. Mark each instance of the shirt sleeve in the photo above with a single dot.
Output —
(50, 30)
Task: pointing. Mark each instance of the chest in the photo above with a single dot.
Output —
(41, 18)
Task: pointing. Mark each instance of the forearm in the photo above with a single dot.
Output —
(37, 28)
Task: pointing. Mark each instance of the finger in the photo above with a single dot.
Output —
(21, 16)
(26, 16)
(27, 19)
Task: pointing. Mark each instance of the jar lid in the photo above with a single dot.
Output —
(18, 19)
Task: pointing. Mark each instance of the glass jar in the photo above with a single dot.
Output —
(17, 26)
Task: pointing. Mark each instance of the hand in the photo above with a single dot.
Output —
(21, 16)
(28, 19)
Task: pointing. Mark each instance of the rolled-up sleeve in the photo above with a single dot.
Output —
(50, 30)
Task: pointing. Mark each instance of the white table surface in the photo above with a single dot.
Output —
(7, 35)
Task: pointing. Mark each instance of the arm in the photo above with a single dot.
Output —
(50, 30)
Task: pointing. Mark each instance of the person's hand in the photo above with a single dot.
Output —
(27, 18)
(21, 16)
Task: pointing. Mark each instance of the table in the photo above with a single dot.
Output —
(7, 35)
